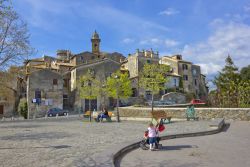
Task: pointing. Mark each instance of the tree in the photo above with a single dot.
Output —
(244, 93)
(89, 88)
(245, 73)
(23, 108)
(119, 86)
(10, 85)
(14, 37)
(226, 83)
(153, 78)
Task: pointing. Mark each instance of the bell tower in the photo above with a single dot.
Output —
(95, 43)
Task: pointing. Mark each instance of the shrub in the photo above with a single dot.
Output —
(23, 108)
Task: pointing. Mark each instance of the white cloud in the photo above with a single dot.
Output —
(209, 68)
(169, 11)
(128, 40)
(247, 8)
(96, 13)
(158, 42)
(171, 43)
(227, 38)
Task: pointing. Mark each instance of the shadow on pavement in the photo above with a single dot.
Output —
(55, 147)
(226, 127)
(179, 147)
(35, 136)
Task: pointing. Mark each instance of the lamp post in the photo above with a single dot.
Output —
(103, 94)
(117, 96)
(90, 93)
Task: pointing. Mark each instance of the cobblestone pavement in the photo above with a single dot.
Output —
(67, 142)
(226, 149)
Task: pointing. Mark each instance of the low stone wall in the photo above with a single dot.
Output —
(202, 113)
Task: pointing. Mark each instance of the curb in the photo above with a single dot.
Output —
(113, 157)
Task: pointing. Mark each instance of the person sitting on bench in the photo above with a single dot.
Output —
(103, 114)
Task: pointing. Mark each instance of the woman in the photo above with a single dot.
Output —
(103, 114)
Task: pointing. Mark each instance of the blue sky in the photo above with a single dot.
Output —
(204, 32)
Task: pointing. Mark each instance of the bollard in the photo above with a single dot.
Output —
(67, 115)
(56, 116)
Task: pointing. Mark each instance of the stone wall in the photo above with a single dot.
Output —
(202, 113)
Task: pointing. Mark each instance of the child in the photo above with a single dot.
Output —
(152, 136)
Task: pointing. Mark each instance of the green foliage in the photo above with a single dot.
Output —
(23, 108)
(244, 93)
(245, 73)
(88, 86)
(189, 96)
(232, 89)
(119, 84)
(153, 77)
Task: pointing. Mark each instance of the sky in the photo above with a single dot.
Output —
(204, 32)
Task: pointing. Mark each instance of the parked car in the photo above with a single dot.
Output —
(54, 111)
(197, 101)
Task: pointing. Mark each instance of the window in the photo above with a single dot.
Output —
(195, 82)
(65, 83)
(38, 94)
(148, 93)
(82, 59)
(175, 82)
(148, 61)
(92, 57)
(194, 72)
(185, 77)
(55, 82)
(184, 66)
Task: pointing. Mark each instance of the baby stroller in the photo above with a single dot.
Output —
(144, 144)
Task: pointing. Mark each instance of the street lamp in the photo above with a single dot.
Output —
(90, 94)
(117, 96)
(103, 93)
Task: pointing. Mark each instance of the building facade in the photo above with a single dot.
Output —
(193, 81)
(53, 81)
(184, 76)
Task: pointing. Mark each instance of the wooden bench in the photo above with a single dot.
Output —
(161, 115)
(86, 114)
(108, 119)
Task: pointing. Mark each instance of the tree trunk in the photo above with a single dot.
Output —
(117, 108)
(90, 110)
(152, 102)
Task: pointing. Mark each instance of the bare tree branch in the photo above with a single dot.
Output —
(14, 37)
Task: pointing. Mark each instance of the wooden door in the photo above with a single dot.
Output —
(1, 109)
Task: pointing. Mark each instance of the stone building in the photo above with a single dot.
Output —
(44, 91)
(11, 90)
(181, 73)
(134, 64)
(192, 79)
(53, 80)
